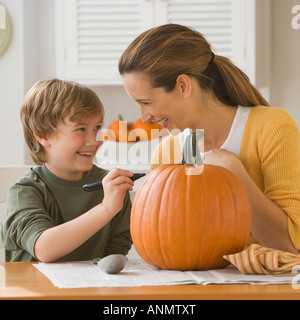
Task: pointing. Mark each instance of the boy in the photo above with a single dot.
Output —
(49, 216)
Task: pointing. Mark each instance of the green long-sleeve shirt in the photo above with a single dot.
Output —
(41, 200)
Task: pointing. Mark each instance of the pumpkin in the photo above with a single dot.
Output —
(122, 131)
(186, 221)
(146, 131)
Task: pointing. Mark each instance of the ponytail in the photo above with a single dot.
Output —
(232, 85)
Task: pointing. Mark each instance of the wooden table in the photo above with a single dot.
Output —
(23, 281)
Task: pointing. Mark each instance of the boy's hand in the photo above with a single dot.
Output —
(115, 185)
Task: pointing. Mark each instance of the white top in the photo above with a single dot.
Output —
(234, 139)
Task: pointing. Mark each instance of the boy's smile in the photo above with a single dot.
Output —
(72, 148)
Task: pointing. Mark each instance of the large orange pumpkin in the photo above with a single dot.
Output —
(188, 222)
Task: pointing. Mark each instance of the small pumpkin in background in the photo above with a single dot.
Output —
(132, 132)
(184, 220)
(151, 130)
(122, 130)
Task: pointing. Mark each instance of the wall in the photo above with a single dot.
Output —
(16, 71)
(31, 56)
(285, 78)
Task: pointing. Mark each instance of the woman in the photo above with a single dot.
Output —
(178, 82)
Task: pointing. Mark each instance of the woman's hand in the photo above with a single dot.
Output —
(269, 221)
(227, 160)
(115, 185)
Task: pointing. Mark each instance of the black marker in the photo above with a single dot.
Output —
(98, 185)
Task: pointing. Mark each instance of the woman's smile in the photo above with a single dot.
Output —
(164, 123)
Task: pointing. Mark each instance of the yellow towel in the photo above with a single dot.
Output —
(257, 259)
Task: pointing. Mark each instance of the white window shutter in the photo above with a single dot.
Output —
(97, 32)
(214, 19)
(230, 26)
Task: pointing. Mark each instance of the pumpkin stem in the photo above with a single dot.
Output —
(120, 117)
(191, 154)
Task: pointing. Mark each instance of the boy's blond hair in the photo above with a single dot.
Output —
(48, 103)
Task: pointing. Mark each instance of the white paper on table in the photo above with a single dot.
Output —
(138, 273)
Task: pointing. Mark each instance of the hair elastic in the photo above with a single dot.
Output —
(212, 58)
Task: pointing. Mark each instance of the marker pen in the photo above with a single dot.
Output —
(98, 185)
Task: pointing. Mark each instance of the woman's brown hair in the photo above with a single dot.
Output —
(165, 52)
(48, 103)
